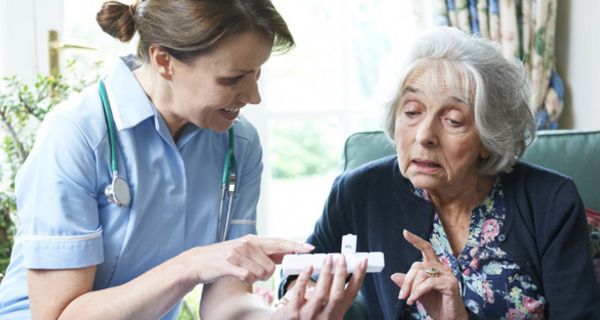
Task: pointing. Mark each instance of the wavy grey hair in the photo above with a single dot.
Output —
(499, 92)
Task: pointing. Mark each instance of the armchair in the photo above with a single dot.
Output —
(573, 153)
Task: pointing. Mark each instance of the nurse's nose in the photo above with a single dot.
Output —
(426, 134)
(249, 93)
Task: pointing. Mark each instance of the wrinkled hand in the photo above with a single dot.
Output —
(438, 292)
(249, 258)
(330, 299)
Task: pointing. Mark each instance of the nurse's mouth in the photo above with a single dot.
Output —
(229, 113)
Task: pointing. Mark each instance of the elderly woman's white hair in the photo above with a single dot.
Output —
(499, 91)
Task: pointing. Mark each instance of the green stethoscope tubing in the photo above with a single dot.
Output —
(118, 191)
(114, 164)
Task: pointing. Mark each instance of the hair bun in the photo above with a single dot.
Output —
(117, 19)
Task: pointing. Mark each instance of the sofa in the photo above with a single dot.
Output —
(571, 152)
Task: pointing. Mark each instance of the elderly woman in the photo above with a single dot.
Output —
(467, 230)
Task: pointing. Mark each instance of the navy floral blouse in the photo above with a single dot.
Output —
(491, 283)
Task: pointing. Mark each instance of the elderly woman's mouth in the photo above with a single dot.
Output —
(426, 165)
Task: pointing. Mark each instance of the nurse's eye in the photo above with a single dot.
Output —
(231, 81)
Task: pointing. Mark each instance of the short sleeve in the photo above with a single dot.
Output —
(249, 160)
(56, 199)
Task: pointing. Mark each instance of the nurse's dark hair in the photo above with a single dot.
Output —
(187, 29)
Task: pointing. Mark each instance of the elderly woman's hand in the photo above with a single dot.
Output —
(330, 299)
(431, 283)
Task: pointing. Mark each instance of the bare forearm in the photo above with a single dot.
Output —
(148, 296)
(229, 298)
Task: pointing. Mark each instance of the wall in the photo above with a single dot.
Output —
(577, 54)
(24, 26)
(18, 54)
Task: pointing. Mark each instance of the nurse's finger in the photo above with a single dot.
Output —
(276, 247)
(321, 294)
(338, 283)
(265, 262)
(239, 272)
(254, 260)
(296, 294)
(357, 277)
(422, 245)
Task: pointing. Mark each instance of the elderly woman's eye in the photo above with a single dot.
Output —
(453, 123)
(411, 114)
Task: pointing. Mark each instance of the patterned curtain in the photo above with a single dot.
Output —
(525, 29)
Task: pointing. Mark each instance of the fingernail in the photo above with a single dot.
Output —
(307, 272)
(308, 246)
(340, 260)
(328, 260)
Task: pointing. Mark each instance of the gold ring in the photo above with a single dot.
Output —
(432, 272)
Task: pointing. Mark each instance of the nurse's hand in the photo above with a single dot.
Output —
(249, 258)
(330, 298)
(431, 283)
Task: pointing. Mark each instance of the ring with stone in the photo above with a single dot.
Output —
(432, 272)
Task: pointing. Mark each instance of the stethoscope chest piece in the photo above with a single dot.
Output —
(118, 192)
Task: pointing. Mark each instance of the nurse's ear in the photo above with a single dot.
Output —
(161, 61)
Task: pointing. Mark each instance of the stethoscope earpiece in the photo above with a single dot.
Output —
(118, 192)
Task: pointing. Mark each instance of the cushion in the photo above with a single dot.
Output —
(593, 218)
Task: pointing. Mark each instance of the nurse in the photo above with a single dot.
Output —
(82, 252)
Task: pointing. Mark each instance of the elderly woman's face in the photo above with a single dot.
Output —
(437, 143)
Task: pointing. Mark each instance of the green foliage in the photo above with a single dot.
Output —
(301, 149)
(22, 108)
(191, 305)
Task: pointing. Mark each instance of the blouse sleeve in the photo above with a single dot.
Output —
(249, 160)
(56, 199)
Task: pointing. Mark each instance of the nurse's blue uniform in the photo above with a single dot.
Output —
(66, 220)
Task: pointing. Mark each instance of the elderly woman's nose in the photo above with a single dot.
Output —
(426, 133)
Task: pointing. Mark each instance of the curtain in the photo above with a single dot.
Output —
(525, 29)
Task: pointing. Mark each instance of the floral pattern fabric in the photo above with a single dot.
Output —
(491, 283)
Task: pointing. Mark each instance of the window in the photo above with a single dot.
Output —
(335, 82)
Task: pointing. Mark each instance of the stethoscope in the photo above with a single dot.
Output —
(118, 192)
